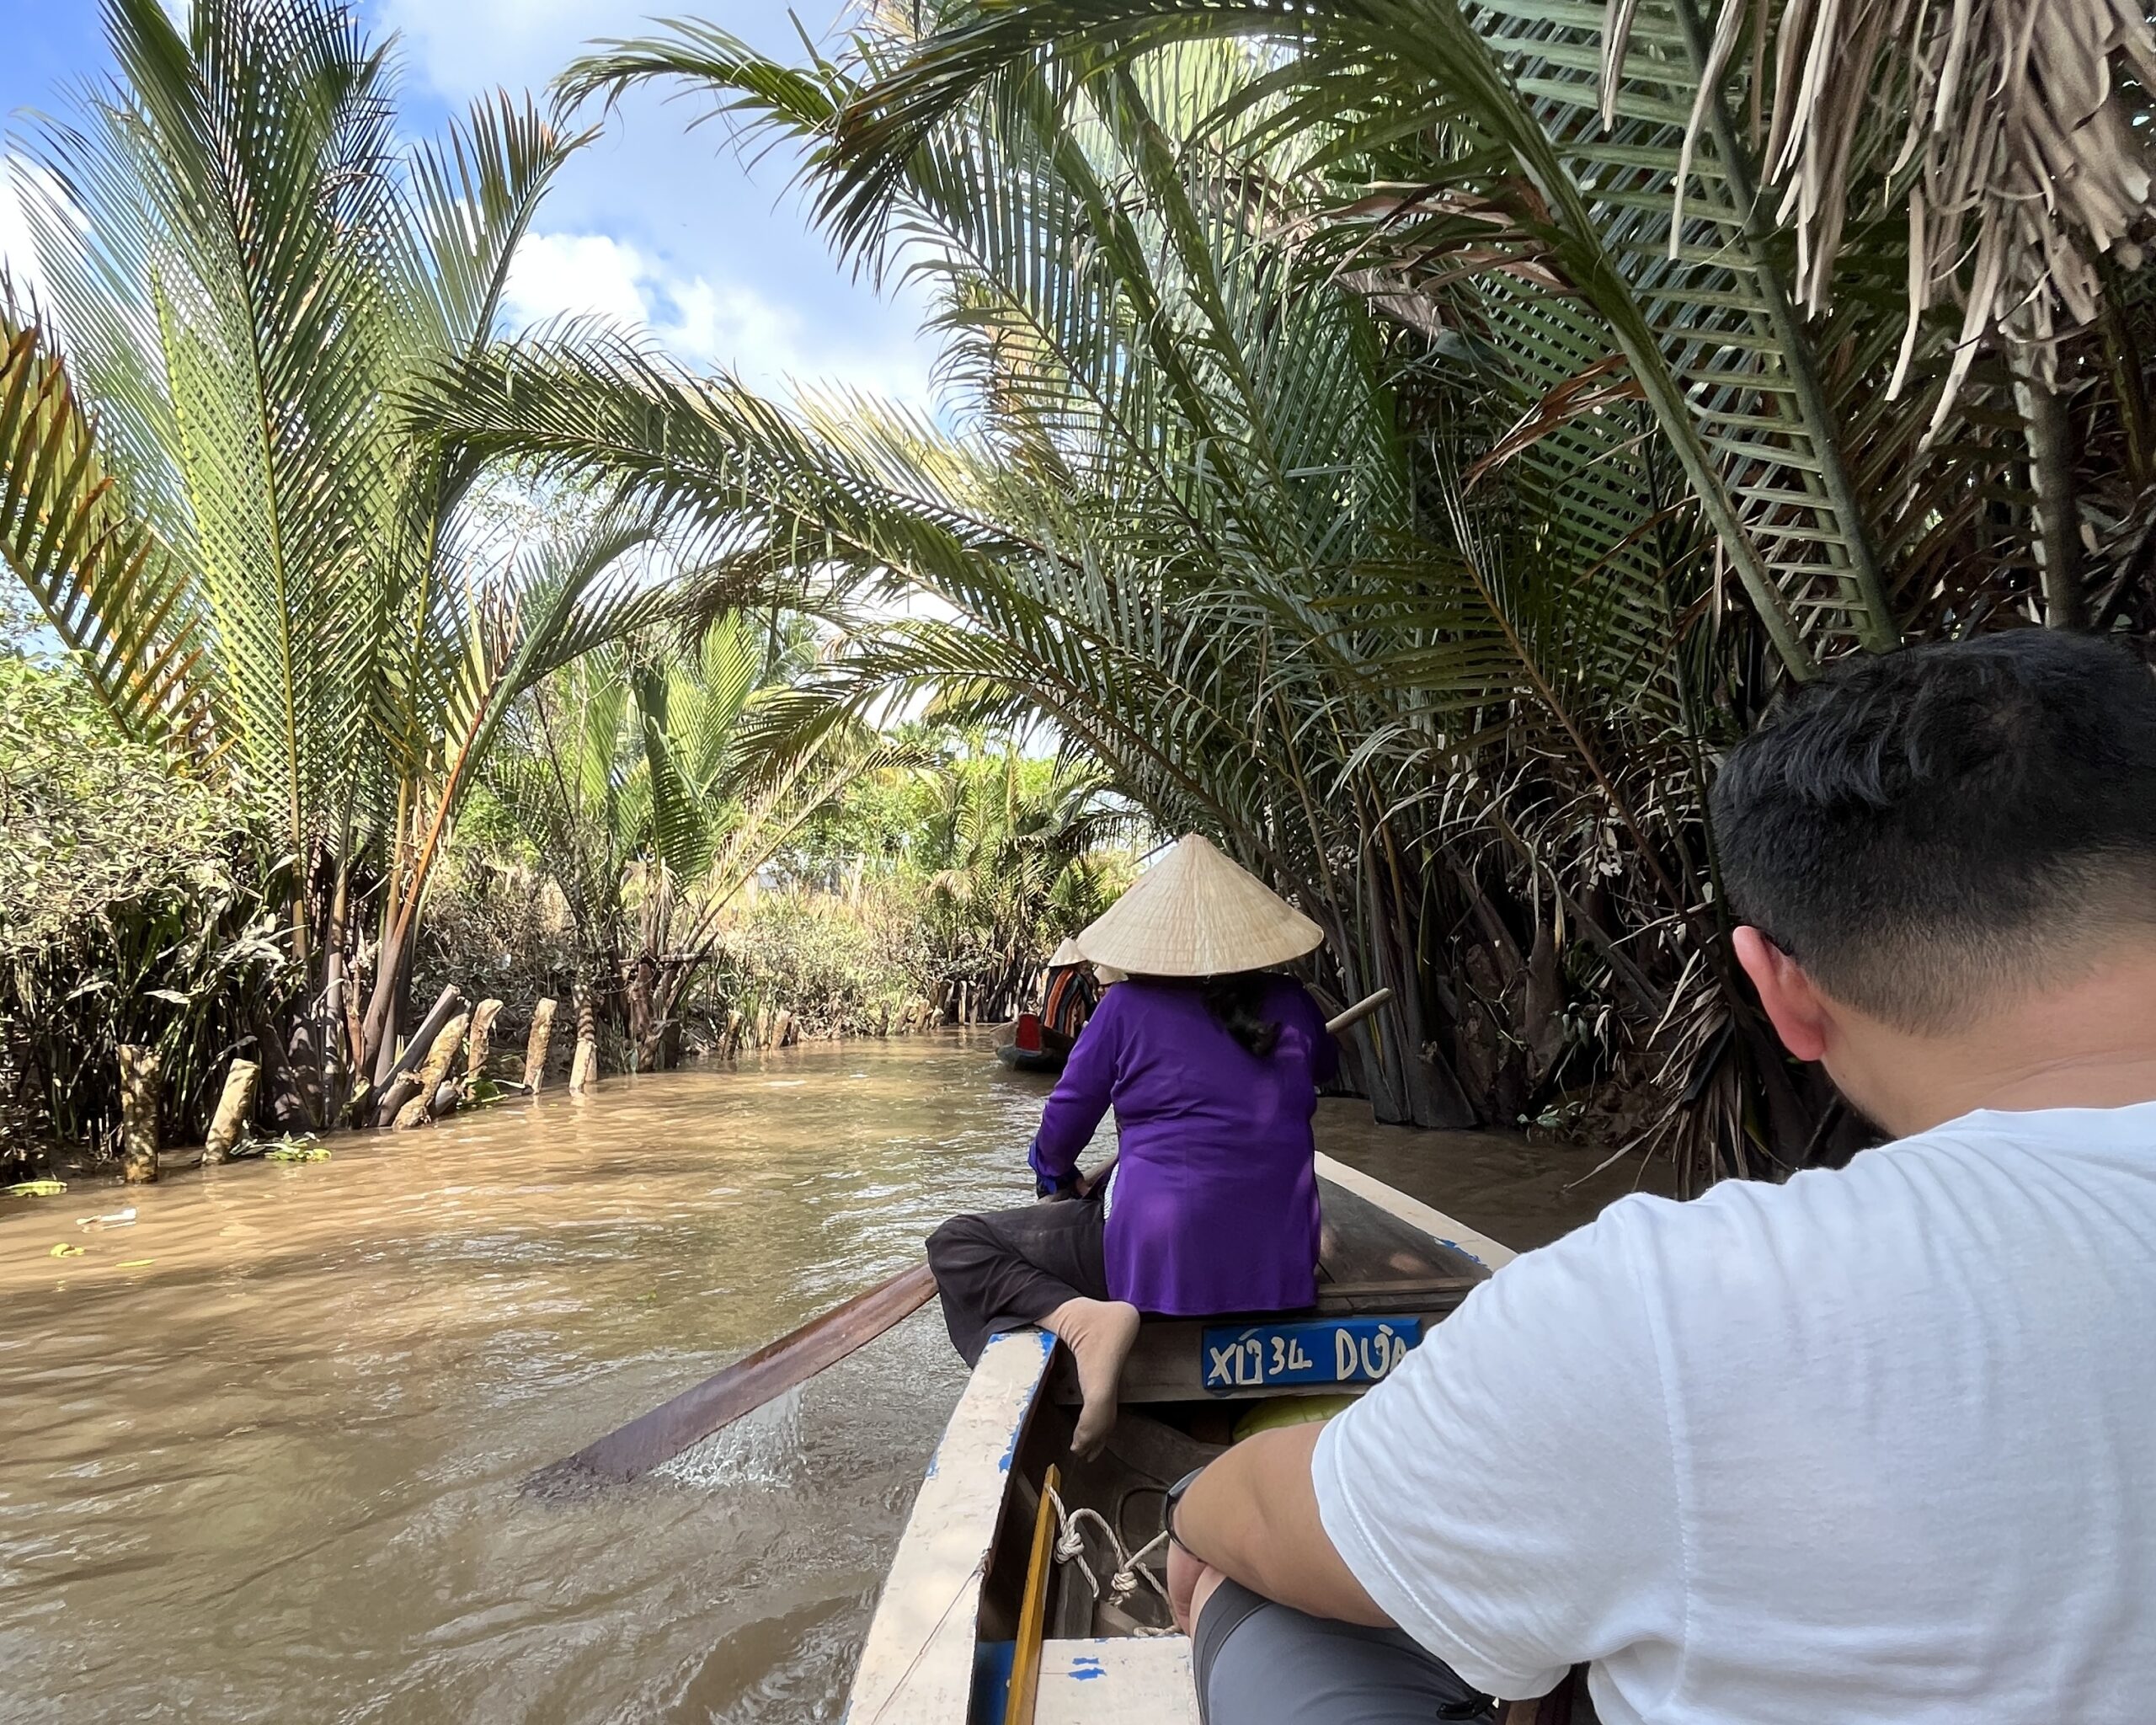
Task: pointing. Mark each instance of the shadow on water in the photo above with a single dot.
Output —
(260, 1451)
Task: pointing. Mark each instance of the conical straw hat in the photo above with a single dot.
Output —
(1194, 913)
(1067, 954)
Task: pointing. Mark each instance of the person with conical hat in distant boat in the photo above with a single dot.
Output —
(1069, 1000)
(1212, 1062)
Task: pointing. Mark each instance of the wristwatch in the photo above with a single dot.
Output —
(1168, 1507)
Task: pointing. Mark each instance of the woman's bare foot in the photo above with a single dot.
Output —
(1098, 1333)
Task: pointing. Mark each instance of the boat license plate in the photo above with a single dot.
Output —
(1347, 1350)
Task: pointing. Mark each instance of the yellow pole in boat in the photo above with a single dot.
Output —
(1033, 1610)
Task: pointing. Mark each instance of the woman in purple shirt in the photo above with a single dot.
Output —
(1212, 1065)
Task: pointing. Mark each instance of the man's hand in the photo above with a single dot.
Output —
(1183, 1573)
(1190, 1584)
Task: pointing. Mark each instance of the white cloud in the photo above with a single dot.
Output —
(726, 324)
(663, 226)
(578, 273)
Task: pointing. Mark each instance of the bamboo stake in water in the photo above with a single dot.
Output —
(535, 1048)
(480, 1040)
(432, 1071)
(234, 1105)
(138, 1114)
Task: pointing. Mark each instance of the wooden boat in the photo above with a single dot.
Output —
(1033, 1047)
(940, 1647)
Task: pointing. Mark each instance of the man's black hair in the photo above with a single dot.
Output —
(1926, 832)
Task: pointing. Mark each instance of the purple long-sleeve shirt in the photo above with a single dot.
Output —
(1213, 1206)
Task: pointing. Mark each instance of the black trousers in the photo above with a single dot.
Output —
(1257, 1663)
(1011, 1268)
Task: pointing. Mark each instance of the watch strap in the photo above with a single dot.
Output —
(1169, 1505)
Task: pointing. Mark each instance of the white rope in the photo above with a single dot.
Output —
(1130, 1565)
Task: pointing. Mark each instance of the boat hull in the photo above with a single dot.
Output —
(1030, 1060)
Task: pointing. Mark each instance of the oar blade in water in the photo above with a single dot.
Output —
(659, 1436)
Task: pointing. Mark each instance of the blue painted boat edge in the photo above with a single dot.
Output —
(1020, 1359)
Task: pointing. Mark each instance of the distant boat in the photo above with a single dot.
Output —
(1034, 1048)
(979, 1599)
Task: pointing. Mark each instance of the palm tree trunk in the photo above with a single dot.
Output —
(2051, 470)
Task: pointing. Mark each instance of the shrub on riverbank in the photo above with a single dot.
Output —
(129, 913)
(840, 966)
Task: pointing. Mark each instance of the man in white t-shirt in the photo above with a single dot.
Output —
(1877, 1445)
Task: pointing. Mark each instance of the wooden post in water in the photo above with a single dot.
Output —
(234, 1103)
(781, 1027)
(584, 1064)
(435, 1068)
(400, 1086)
(138, 1114)
(481, 1036)
(534, 1047)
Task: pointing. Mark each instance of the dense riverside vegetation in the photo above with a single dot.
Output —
(1405, 440)
(302, 632)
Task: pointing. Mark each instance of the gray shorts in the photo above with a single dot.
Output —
(1260, 1664)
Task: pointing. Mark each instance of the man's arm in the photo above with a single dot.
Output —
(1509, 1495)
(1253, 1516)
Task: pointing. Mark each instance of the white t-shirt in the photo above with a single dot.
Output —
(1875, 1447)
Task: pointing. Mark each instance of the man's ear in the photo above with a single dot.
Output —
(1792, 1004)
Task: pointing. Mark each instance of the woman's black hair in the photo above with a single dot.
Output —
(1235, 1002)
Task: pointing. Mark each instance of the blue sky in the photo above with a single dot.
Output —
(653, 223)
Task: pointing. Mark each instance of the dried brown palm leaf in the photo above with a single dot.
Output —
(1601, 385)
(2012, 133)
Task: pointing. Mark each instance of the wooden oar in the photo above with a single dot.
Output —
(1355, 1014)
(663, 1433)
(746, 1385)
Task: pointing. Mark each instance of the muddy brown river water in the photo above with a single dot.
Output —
(259, 1449)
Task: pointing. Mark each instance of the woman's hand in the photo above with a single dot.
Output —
(1088, 1184)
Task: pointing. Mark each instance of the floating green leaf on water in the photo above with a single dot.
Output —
(295, 1150)
(136, 1263)
(37, 1188)
(65, 1250)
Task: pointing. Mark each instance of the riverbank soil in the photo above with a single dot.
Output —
(1521, 1193)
